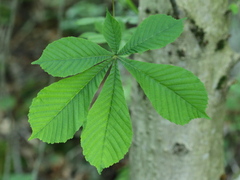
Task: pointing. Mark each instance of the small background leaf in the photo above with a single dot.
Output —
(61, 108)
(70, 56)
(234, 7)
(107, 135)
(154, 32)
(176, 94)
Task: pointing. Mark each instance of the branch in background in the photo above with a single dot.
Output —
(113, 8)
(175, 9)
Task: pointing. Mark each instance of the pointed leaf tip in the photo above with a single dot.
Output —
(34, 62)
(112, 32)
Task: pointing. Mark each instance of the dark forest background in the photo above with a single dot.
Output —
(26, 28)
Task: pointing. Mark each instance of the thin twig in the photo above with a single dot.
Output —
(113, 8)
(175, 8)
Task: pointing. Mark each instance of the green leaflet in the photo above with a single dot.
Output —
(70, 56)
(177, 94)
(112, 32)
(60, 109)
(154, 32)
(107, 135)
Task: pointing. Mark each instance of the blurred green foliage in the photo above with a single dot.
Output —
(3, 147)
(233, 100)
(85, 9)
(5, 13)
(20, 177)
(233, 105)
(7, 102)
(132, 5)
(232, 129)
(85, 16)
(234, 6)
(123, 173)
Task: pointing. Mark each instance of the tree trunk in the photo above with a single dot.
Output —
(162, 150)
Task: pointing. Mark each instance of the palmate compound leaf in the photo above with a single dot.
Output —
(60, 109)
(154, 32)
(107, 135)
(69, 56)
(176, 94)
(112, 32)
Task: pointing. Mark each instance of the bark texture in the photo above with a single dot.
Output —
(162, 150)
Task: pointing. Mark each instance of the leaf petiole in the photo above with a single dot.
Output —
(113, 8)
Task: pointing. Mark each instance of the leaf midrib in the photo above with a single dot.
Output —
(75, 59)
(110, 109)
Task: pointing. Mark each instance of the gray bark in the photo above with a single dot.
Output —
(162, 150)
